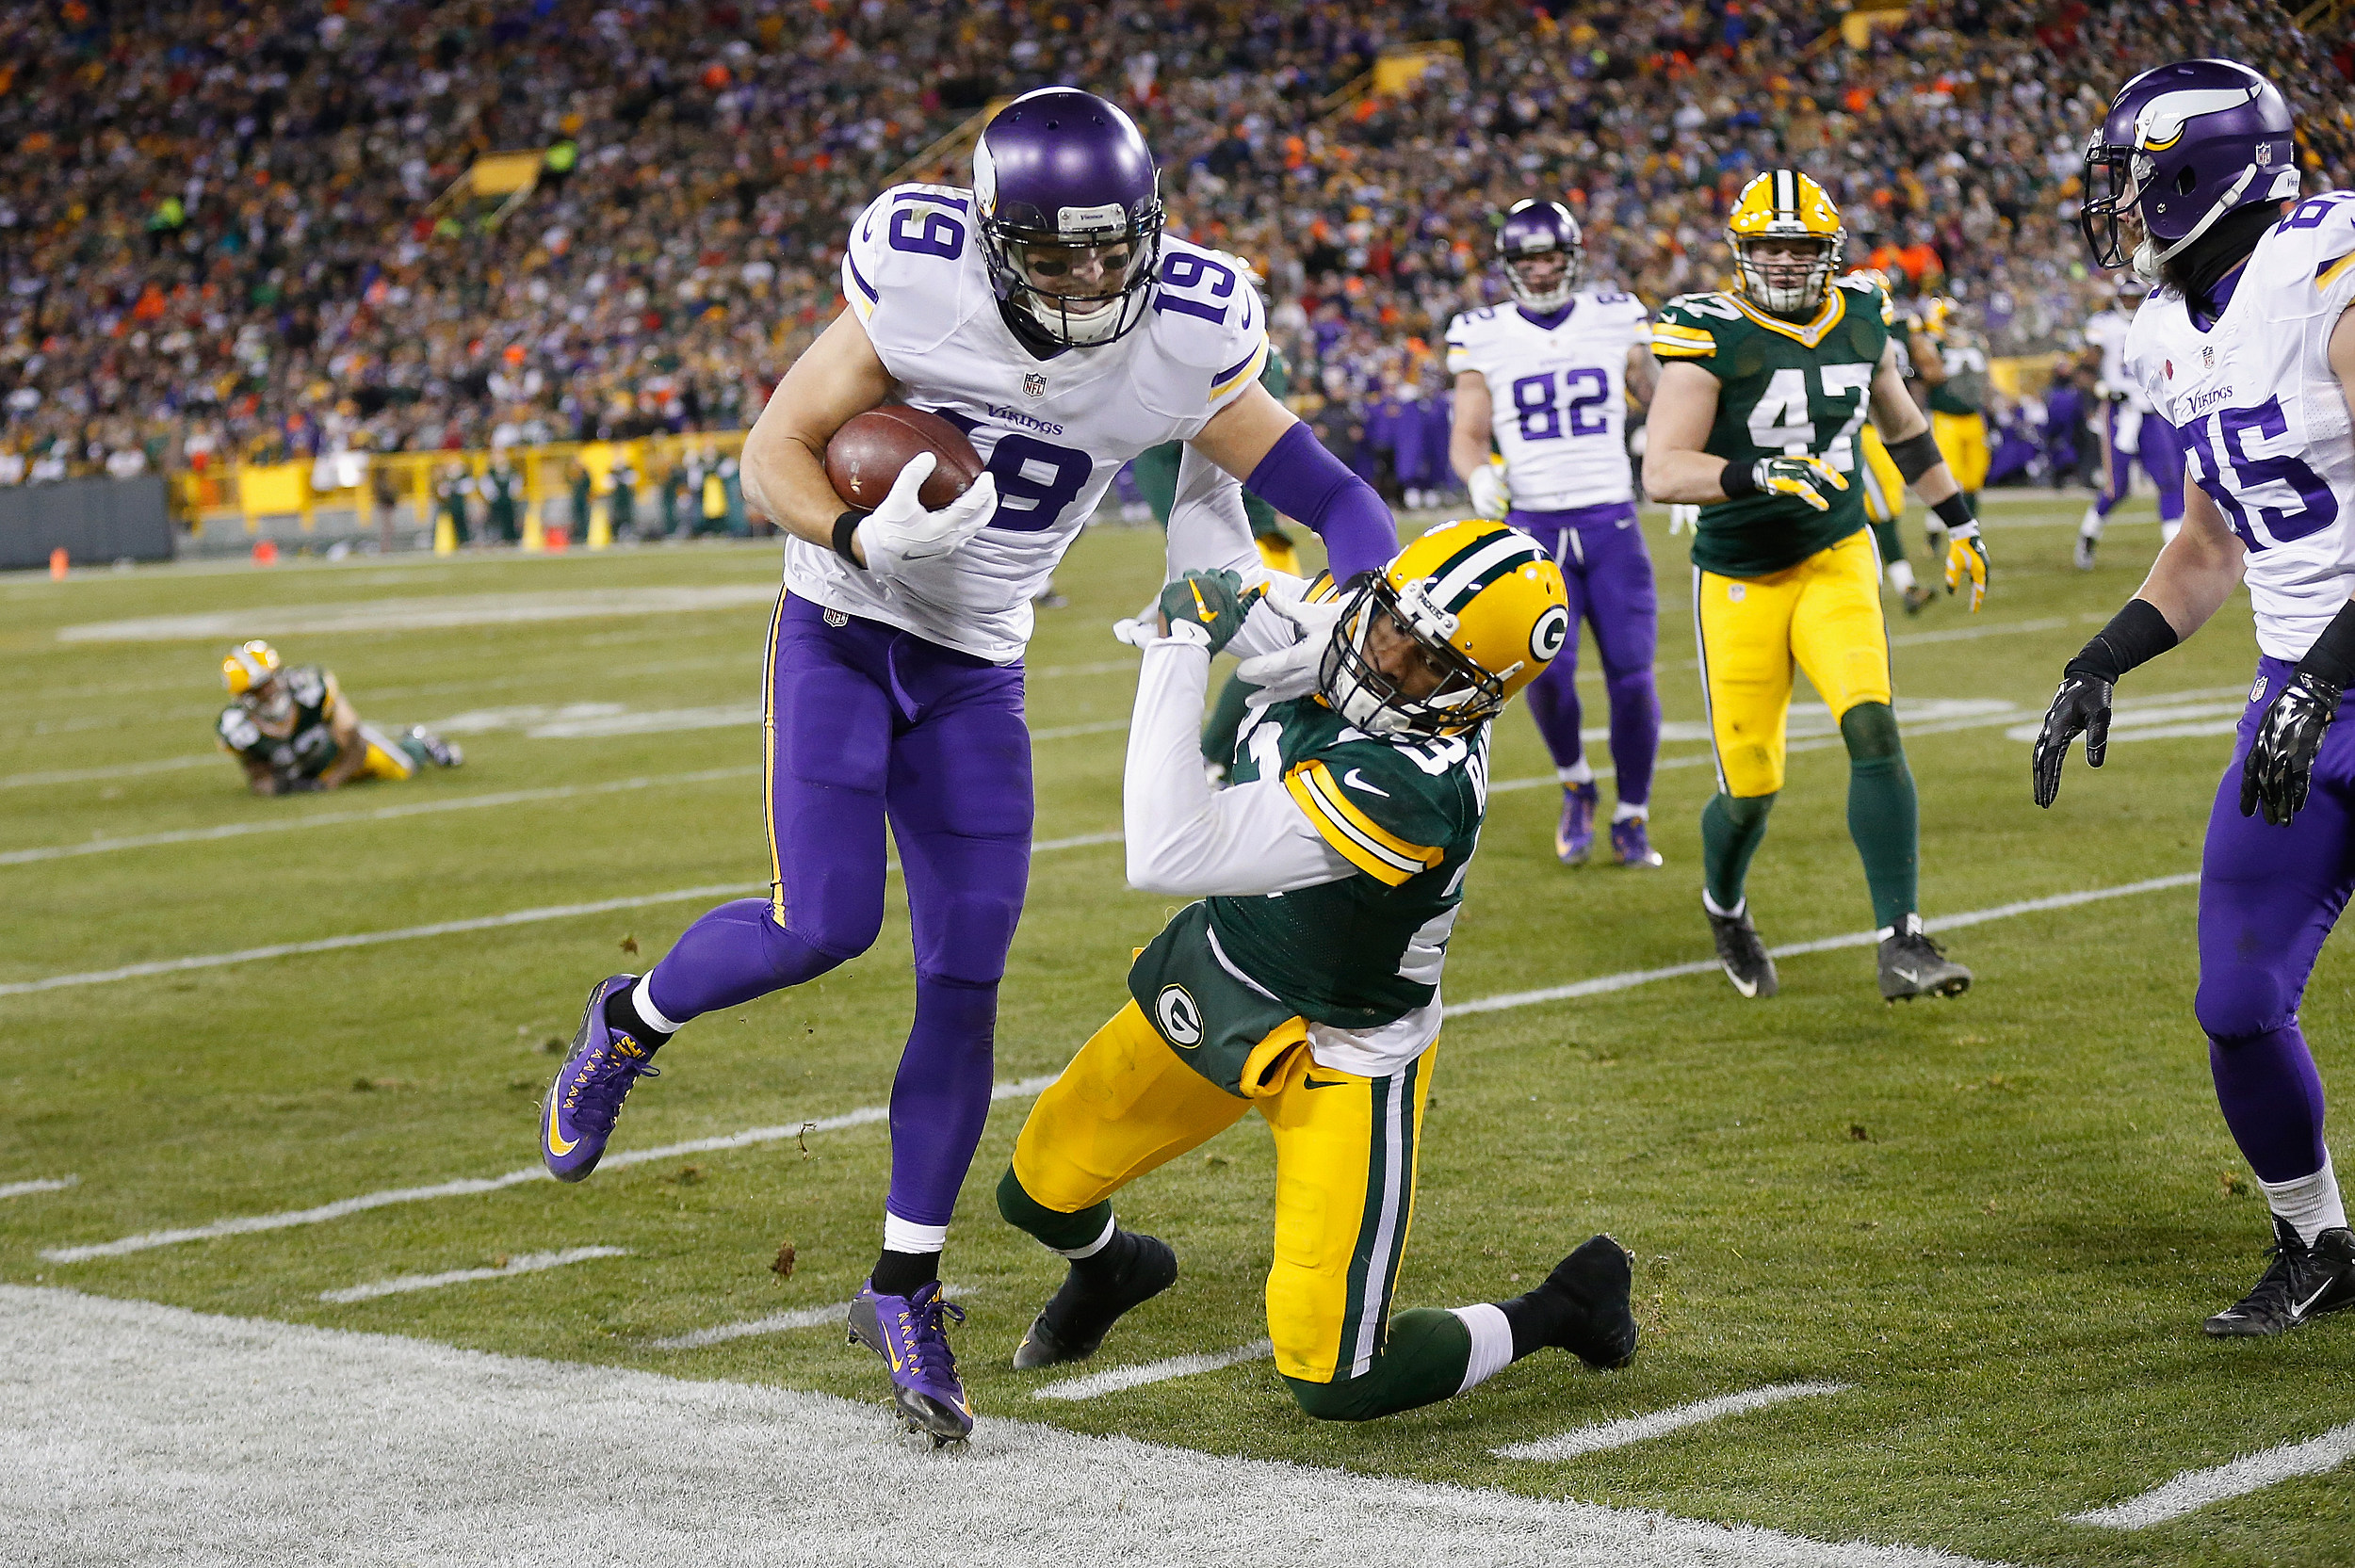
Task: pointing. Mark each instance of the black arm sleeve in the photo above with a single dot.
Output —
(1916, 456)
(2333, 656)
(2135, 635)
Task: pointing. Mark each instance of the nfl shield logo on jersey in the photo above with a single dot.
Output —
(1035, 385)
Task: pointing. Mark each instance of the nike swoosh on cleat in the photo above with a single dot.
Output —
(1356, 779)
(1749, 989)
(2304, 1307)
(1906, 975)
(558, 1144)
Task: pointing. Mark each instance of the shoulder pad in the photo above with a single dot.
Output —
(1688, 326)
(2314, 247)
(307, 686)
(236, 728)
(1856, 283)
(907, 257)
(1206, 313)
(1392, 810)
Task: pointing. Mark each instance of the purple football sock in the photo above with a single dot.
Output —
(733, 954)
(2272, 1100)
(941, 1097)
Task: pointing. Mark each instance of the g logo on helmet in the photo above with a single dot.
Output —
(1182, 1020)
(1552, 630)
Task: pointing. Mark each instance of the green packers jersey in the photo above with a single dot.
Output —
(1785, 388)
(1357, 953)
(296, 749)
(1964, 390)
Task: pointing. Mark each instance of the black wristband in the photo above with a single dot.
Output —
(1955, 512)
(844, 526)
(2135, 635)
(1739, 479)
(1916, 455)
(2333, 655)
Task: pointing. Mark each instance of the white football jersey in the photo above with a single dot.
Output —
(1557, 396)
(1053, 431)
(2107, 331)
(2264, 421)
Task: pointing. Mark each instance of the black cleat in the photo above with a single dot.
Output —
(2083, 559)
(1919, 599)
(1914, 965)
(439, 752)
(1076, 1318)
(2302, 1282)
(1742, 951)
(1598, 1326)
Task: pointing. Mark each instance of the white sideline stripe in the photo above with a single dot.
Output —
(1097, 1384)
(1821, 945)
(341, 1209)
(1638, 1429)
(2197, 1489)
(776, 1322)
(443, 927)
(155, 1436)
(379, 814)
(522, 1263)
(52, 1183)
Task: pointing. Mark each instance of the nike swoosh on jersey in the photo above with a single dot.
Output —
(1356, 779)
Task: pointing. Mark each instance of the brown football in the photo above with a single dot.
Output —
(870, 448)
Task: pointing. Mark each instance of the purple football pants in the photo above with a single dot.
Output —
(1608, 573)
(2161, 456)
(867, 723)
(2267, 898)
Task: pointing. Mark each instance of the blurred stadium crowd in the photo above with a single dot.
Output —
(231, 232)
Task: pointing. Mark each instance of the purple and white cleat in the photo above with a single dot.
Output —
(907, 1332)
(1631, 843)
(584, 1102)
(1574, 840)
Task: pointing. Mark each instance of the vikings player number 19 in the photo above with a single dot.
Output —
(920, 227)
(1036, 479)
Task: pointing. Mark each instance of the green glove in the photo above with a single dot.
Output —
(1214, 601)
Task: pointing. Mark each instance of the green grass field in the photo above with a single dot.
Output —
(2000, 1219)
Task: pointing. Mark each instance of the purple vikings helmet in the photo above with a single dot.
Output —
(1532, 228)
(1070, 209)
(2182, 145)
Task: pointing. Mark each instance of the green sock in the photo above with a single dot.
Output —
(1892, 548)
(1051, 1227)
(1731, 828)
(1423, 1362)
(1884, 816)
(414, 750)
(1225, 725)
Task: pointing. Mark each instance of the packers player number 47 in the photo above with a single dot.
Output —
(1762, 390)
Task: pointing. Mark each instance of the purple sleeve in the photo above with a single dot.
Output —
(1300, 479)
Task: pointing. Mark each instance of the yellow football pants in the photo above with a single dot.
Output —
(386, 760)
(1884, 486)
(1823, 615)
(1346, 1149)
(1962, 442)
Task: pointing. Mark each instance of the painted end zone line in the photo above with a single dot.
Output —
(2197, 1489)
(1821, 945)
(1637, 1429)
(343, 1207)
(1113, 1382)
(523, 1262)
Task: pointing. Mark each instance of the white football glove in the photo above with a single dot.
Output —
(1291, 673)
(1490, 495)
(1683, 515)
(901, 532)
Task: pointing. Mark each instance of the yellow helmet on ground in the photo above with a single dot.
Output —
(249, 666)
(1782, 206)
(1486, 607)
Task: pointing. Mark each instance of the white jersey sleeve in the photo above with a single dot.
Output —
(2264, 419)
(1207, 330)
(1557, 397)
(2107, 331)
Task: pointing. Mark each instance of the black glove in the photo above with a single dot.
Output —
(1214, 601)
(2281, 765)
(2081, 706)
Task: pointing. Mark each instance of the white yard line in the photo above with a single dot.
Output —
(379, 814)
(114, 770)
(1638, 1429)
(441, 928)
(1112, 1380)
(440, 612)
(147, 1435)
(522, 1263)
(25, 1190)
(343, 1208)
(776, 1322)
(2197, 1489)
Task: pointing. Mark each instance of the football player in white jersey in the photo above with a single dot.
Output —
(1548, 379)
(2247, 346)
(1046, 314)
(2131, 429)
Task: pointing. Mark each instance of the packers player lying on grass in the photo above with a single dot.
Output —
(294, 730)
(1305, 982)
